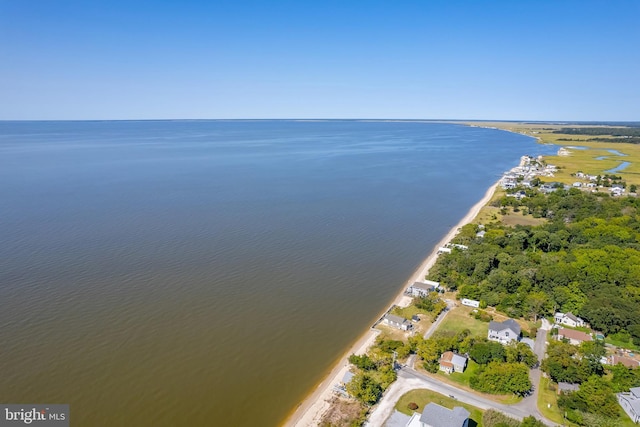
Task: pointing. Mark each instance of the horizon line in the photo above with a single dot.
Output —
(327, 119)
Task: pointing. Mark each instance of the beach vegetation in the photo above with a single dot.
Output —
(364, 388)
(345, 413)
(363, 362)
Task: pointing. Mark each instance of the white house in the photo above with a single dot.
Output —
(397, 322)
(420, 289)
(435, 415)
(504, 332)
(452, 362)
(568, 319)
(470, 302)
(630, 402)
(443, 250)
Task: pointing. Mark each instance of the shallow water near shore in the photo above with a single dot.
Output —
(162, 273)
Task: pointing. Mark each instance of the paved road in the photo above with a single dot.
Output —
(530, 403)
(439, 319)
(409, 379)
(466, 396)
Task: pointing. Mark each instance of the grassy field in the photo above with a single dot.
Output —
(579, 159)
(491, 214)
(423, 397)
(458, 320)
(548, 402)
(388, 332)
(621, 344)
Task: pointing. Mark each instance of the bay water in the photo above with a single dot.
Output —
(164, 273)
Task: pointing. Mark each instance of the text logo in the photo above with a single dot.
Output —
(34, 415)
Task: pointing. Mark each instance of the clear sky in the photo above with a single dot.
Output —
(428, 59)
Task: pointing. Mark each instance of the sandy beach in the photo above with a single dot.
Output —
(311, 410)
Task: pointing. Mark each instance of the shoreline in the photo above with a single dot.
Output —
(310, 411)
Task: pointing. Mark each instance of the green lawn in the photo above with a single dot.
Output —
(621, 344)
(423, 397)
(408, 312)
(458, 320)
(548, 402)
(462, 378)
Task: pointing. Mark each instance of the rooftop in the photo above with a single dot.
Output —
(439, 416)
(574, 335)
(507, 324)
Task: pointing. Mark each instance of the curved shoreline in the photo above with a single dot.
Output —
(310, 411)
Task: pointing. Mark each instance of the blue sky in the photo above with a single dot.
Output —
(509, 60)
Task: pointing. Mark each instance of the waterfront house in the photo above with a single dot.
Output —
(574, 337)
(435, 415)
(504, 332)
(568, 319)
(397, 322)
(452, 362)
(630, 402)
(422, 289)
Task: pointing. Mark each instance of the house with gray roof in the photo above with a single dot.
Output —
(397, 322)
(452, 362)
(422, 289)
(567, 387)
(630, 402)
(504, 332)
(568, 319)
(438, 416)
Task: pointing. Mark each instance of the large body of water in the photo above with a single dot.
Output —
(164, 273)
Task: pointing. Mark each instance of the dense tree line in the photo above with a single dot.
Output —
(620, 134)
(584, 259)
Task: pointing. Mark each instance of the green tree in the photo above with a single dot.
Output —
(502, 378)
(485, 351)
(594, 396)
(364, 388)
(530, 421)
(537, 303)
(363, 362)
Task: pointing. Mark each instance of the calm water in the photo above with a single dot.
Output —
(208, 272)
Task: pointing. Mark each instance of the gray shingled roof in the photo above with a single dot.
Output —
(568, 386)
(572, 317)
(396, 319)
(439, 416)
(424, 286)
(500, 326)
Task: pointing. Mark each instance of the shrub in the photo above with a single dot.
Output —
(413, 406)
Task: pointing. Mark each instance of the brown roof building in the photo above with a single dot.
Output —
(574, 337)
